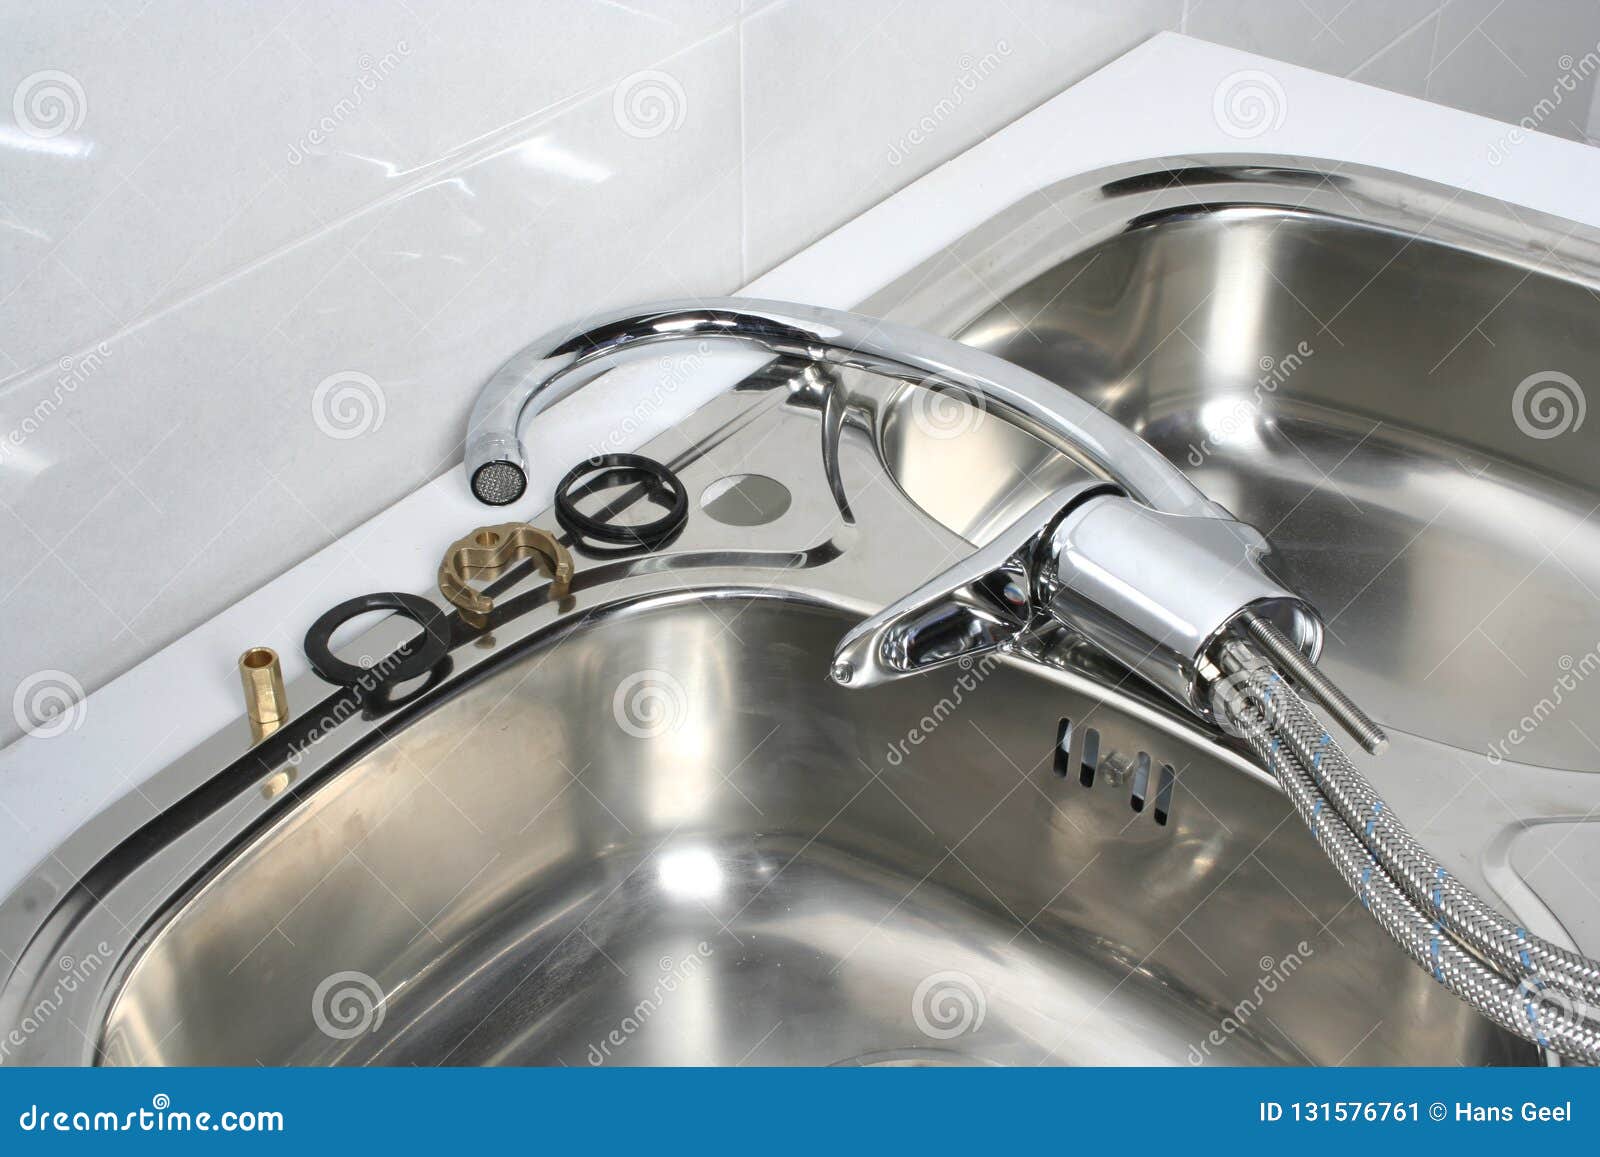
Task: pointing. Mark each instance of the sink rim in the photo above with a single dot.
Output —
(1073, 215)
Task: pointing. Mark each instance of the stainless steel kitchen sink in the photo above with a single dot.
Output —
(640, 826)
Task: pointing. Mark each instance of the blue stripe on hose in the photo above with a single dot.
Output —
(1533, 1019)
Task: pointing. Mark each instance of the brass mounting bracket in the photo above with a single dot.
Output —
(486, 552)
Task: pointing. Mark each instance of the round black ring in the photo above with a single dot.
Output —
(623, 468)
(435, 640)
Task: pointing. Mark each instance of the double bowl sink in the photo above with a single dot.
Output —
(639, 825)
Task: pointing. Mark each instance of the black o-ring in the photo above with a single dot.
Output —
(435, 641)
(619, 469)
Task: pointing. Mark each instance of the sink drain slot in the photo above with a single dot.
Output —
(1063, 752)
(1145, 782)
(1089, 759)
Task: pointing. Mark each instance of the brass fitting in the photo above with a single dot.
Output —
(264, 699)
(489, 550)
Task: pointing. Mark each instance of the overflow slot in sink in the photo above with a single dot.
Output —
(1116, 769)
(1141, 781)
(1063, 753)
(1163, 810)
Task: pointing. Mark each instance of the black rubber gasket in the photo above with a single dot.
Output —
(620, 470)
(434, 647)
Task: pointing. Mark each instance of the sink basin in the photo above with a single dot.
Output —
(1387, 379)
(641, 826)
(668, 840)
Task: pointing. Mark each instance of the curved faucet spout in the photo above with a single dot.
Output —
(1148, 569)
(548, 371)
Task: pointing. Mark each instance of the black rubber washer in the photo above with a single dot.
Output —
(435, 641)
(619, 470)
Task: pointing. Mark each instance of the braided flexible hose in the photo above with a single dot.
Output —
(1540, 1016)
(1512, 950)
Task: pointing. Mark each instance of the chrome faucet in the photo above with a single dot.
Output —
(549, 370)
(1138, 561)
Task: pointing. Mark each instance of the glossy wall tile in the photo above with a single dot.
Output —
(255, 260)
(197, 422)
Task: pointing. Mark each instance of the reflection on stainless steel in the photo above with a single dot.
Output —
(642, 826)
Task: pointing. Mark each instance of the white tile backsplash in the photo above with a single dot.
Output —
(1334, 36)
(1402, 65)
(1519, 62)
(207, 212)
(847, 100)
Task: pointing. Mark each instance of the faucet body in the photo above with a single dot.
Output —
(1155, 592)
(1142, 564)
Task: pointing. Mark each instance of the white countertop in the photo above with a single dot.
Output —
(1168, 97)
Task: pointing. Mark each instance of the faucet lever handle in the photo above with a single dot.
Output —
(982, 603)
(1153, 591)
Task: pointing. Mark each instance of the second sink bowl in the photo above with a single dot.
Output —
(1386, 378)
